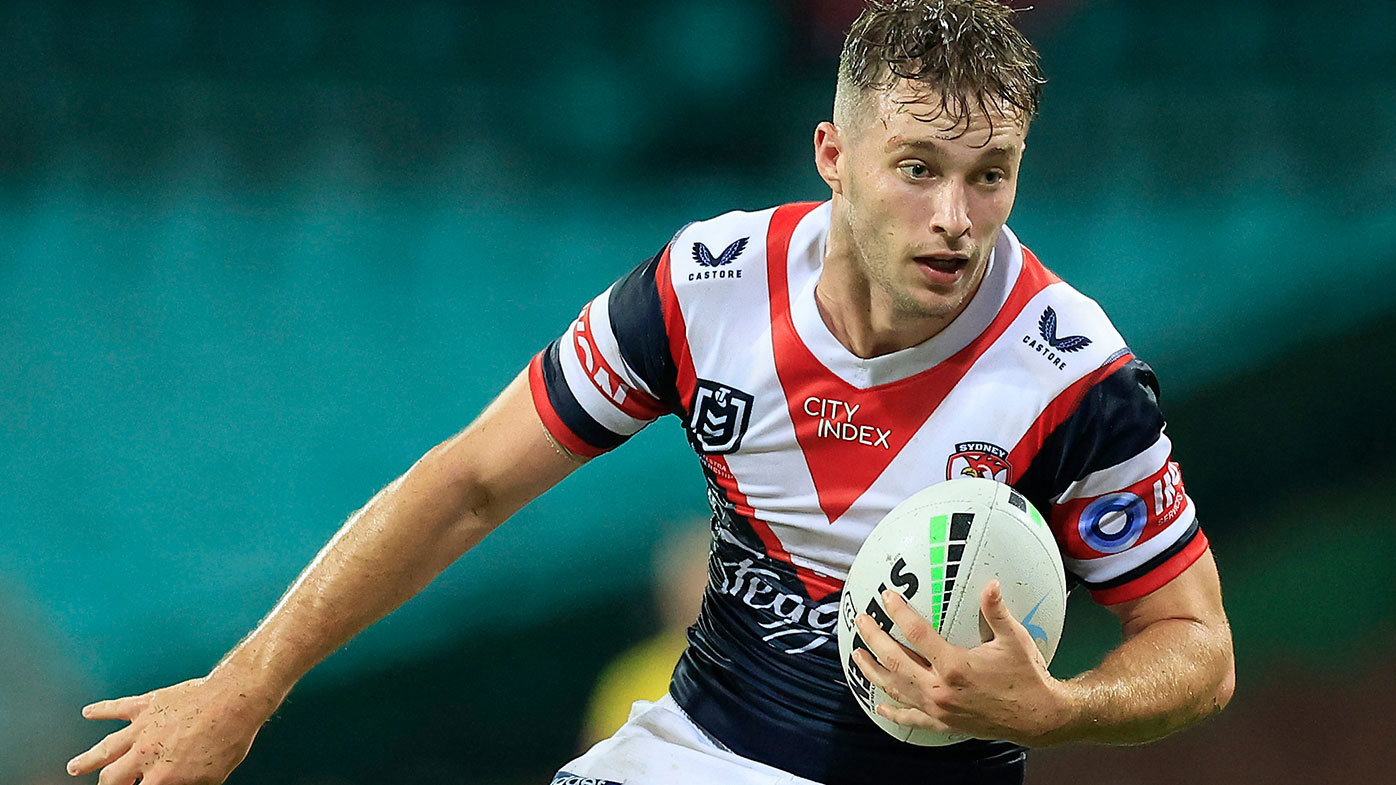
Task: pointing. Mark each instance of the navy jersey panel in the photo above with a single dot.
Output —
(569, 410)
(1117, 418)
(612, 372)
(638, 321)
(762, 676)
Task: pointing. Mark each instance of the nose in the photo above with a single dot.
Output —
(950, 209)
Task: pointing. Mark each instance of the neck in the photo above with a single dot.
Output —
(859, 311)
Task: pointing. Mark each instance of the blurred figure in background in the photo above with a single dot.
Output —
(642, 672)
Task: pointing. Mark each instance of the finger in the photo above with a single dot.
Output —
(114, 709)
(879, 645)
(995, 612)
(871, 668)
(103, 752)
(921, 633)
(889, 651)
(883, 678)
(889, 665)
(912, 717)
(123, 771)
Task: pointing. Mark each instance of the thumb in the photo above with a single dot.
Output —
(996, 613)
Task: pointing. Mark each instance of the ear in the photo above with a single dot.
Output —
(828, 153)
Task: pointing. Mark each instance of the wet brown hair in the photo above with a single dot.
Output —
(967, 51)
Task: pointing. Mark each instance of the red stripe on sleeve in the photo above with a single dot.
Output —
(1058, 411)
(686, 380)
(1156, 578)
(539, 390)
(1164, 497)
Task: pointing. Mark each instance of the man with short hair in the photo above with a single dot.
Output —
(826, 360)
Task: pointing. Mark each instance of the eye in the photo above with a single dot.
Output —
(915, 170)
(993, 177)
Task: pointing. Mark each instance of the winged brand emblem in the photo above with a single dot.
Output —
(703, 256)
(1047, 325)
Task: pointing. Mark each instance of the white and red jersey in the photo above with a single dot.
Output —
(806, 447)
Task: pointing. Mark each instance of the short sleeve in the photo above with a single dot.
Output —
(611, 373)
(1113, 493)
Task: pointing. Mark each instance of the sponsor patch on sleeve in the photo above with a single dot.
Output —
(1114, 522)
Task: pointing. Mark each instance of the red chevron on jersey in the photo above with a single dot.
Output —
(832, 416)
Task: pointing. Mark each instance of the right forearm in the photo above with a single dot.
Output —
(198, 731)
(383, 555)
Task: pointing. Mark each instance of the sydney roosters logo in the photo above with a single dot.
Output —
(979, 459)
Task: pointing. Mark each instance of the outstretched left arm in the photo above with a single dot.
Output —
(1174, 668)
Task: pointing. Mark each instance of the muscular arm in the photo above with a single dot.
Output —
(408, 533)
(1174, 668)
(199, 730)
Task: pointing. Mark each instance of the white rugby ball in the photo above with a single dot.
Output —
(939, 549)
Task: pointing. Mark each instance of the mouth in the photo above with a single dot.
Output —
(942, 269)
(945, 263)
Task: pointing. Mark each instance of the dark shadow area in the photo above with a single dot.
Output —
(500, 709)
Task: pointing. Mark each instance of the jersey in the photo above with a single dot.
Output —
(806, 446)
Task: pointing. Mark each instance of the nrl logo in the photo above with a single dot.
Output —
(720, 418)
(704, 257)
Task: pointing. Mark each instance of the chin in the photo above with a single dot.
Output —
(933, 306)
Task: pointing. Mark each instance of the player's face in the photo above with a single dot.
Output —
(925, 197)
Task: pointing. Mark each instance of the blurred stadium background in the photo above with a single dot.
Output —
(256, 257)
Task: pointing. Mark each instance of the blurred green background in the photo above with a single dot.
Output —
(256, 257)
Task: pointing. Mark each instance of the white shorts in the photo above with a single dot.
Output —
(660, 745)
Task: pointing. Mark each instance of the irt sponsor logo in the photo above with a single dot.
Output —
(1168, 494)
